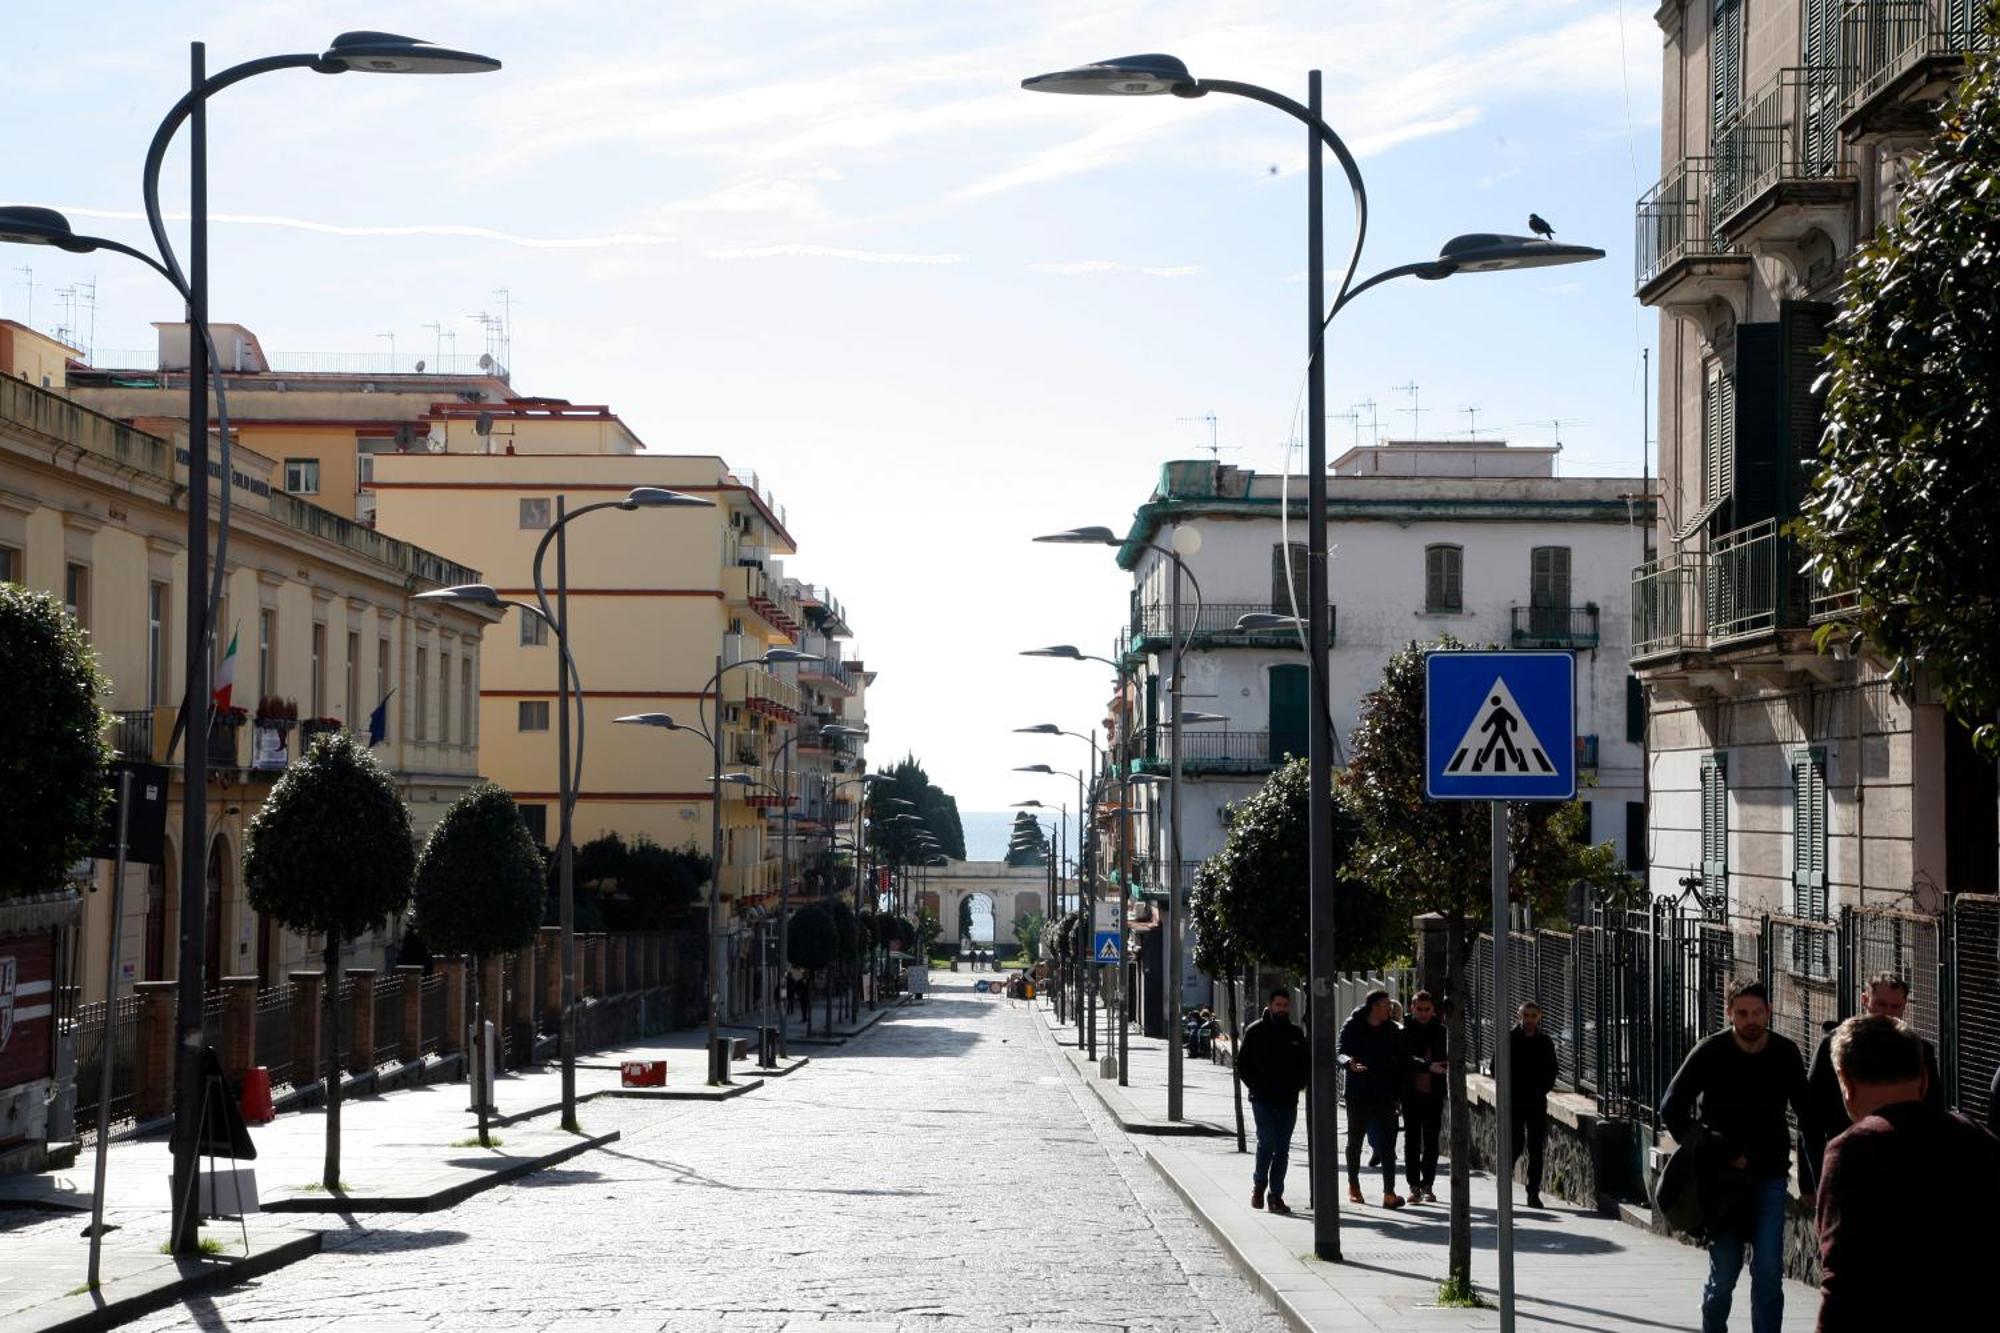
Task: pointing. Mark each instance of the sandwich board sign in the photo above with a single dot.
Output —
(1500, 726)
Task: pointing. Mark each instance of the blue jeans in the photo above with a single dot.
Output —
(1274, 1141)
(1764, 1210)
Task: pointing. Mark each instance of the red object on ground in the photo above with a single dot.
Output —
(643, 1073)
(257, 1108)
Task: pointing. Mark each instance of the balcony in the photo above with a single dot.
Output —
(1754, 587)
(1899, 57)
(1206, 751)
(222, 746)
(132, 735)
(1667, 607)
(749, 587)
(762, 693)
(1777, 169)
(1555, 627)
(828, 674)
(1215, 626)
(1681, 256)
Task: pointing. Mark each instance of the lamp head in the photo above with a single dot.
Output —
(393, 53)
(737, 780)
(1034, 768)
(1040, 729)
(1093, 536)
(1149, 779)
(471, 594)
(1031, 805)
(1489, 252)
(658, 497)
(1267, 620)
(839, 731)
(1124, 76)
(777, 655)
(1188, 716)
(24, 224)
(649, 720)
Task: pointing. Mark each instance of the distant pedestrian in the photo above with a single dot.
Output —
(1903, 1158)
(1273, 1064)
(1371, 1053)
(1424, 1070)
(1727, 1104)
(1885, 996)
(1534, 1073)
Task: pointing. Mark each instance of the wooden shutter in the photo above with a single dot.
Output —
(1715, 832)
(1725, 65)
(1803, 327)
(1809, 899)
(1718, 438)
(1819, 52)
(1288, 578)
(1443, 578)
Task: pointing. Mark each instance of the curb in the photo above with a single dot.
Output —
(442, 1199)
(1249, 1272)
(1169, 1129)
(213, 1277)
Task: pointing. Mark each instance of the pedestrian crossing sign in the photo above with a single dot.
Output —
(1107, 946)
(1500, 726)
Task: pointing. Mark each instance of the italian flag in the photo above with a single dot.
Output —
(225, 675)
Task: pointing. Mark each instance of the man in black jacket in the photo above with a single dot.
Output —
(1886, 996)
(1534, 1074)
(1424, 1070)
(1371, 1051)
(1273, 1064)
(1728, 1102)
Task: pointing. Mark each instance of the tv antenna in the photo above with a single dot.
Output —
(1214, 448)
(28, 281)
(1374, 419)
(1352, 416)
(1415, 409)
(392, 350)
(1471, 421)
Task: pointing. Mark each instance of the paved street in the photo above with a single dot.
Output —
(941, 1172)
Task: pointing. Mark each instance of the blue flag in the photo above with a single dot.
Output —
(378, 721)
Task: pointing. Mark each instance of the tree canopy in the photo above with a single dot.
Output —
(54, 762)
(1901, 511)
(814, 939)
(635, 886)
(479, 879)
(1025, 845)
(938, 811)
(330, 851)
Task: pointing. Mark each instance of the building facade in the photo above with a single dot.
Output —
(1785, 778)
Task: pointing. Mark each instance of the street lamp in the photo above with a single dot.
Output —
(1155, 74)
(360, 51)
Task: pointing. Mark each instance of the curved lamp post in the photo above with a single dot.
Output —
(834, 731)
(1157, 74)
(375, 52)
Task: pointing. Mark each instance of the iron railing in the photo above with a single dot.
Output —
(1667, 606)
(1676, 221)
(1787, 132)
(102, 1035)
(431, 1001)
(132, 733)
(1555, 626)
(1754, 584)
(1152, 625)
(1205, 751)
(1882, 40)
(222, 749)
(388, 1000)
(274, 1036)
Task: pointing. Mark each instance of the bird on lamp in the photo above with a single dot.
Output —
(1539, 225)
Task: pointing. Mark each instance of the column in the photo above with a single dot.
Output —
(362, 996)
(153, 1094)
(412, 1047)
(239, 1026)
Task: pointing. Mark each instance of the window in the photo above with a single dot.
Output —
(532, 715)
(535, 513)
(302, 476)
(1289, 715)
(319, 669)
(10, 565)
(76, 592)
(444, 696)
(381, 671)
(353, 678)
(1635, 836)
(1809, 835)
(1289, 579)
(422, 688)
(1718, 439)
(465, 700)
(1725, 63)
(1548, 593)
(1444, 578)
(267, 650)
(536, 817)
(534, 630)
(158, 596)
(1715, 835)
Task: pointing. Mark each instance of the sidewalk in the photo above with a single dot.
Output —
(1140, 1107)
(1572, 1270)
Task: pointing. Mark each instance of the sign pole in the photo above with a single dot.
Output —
(1503, 1073)
(108, 1048)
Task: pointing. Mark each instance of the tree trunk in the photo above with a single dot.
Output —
(1459, 1260)
(330, 1177)
(479, 1047)
(1235, 1083)
(806, 1000)
(830, 988)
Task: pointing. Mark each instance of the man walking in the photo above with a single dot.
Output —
(1728, 1103)
(1424, 1070)
(1371, 1053)
(1885, 996)
(1273, 1063)
(1535, 1072)
(1904, 1157)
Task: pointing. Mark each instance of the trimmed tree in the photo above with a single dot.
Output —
(330, 853)
(1901, 511)
(1219, 953)
(1028, 934)
(479, 892)
(54, 762)
(814, 941)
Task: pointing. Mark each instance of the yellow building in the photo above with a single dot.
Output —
(326, 626)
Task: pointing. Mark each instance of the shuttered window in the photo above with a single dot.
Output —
(1718, 439)
(1819, 55)
(1444, 578)
(1288, 562)
(1809, 835)
(1725, 64)
(1715, 835)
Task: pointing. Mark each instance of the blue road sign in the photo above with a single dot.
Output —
(1106, 949)
(1500, 726)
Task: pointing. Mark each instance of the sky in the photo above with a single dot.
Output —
(835, 243)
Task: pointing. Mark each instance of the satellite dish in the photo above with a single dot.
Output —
(486, 361)
(483, 424)
(420, 367)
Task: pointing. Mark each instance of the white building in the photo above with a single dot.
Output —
(1468, 538)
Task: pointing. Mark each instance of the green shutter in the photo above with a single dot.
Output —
(1725, 64)
(1819, 142)
(1804, 327)
(1289, 578)
(1715, 832)
(1718, 437)
(1290, 722)
(1809, 898)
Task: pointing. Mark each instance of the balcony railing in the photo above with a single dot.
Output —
(1667, 606)
(749, 584)
(1205, 751)
(132, 734)
(1676, 220)
(1883, 40)
(1754, 585)
(1833, 605)
(1788, 132)
(222, 743)
(1555, 627)
(828, 671)
(1216, 624)
(1586, 751)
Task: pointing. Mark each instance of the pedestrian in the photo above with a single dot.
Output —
(1533, 1056)
(1903, 1157)
(1371, 1053)
(1273, 1064)
(1885, 996)
(1396, 1111)
(1424, 1066)
(1727, 1104)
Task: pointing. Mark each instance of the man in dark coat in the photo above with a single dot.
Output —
(1534, 1072)
(1273, 1063)
(1424, 1070)
(1371, 1051)
(1885, 996)
(1902, 1158)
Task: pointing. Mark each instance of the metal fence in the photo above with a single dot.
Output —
(431, 1001)
(100, 1036)
(388, 1018)
(274, 1034)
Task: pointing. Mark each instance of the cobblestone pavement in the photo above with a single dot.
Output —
(941, 1172)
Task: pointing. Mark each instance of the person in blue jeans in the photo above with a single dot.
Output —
(1273, 1063)
(1727, 1103)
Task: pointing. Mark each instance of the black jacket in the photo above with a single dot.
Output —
(1726, 1098)
(1535, 1070)
(1378, 1048)
(1423, 1046)
(1826, 1115)
(1273, 1060)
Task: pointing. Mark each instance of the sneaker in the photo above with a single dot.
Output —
(1430, 1197)
(1256, 1196)
(1354, 1194)
(1391, 1199)
(1278, 1206)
